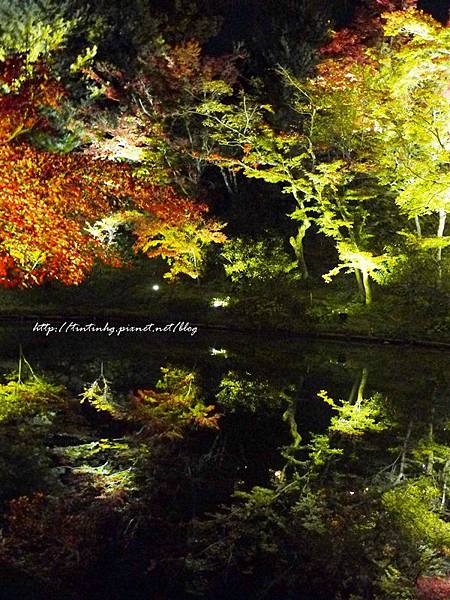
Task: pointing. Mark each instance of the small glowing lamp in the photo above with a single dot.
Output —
(155, 287)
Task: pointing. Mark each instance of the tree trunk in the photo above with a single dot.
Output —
(360, 285)
(367, 288)
(430, 462)
(418, 227)
(440, 234)
(228, 184)
(362, 385)
(354, 390)
(289, 416)
(444, 484)
(297, 244)
(403, 453)
(297, 241)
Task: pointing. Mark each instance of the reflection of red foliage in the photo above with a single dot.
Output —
(57, 538)
(433, 588)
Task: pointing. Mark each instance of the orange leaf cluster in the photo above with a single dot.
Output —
(23, 99)
(46, 200)
(179, 70)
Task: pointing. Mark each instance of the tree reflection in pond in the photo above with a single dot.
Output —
(314, 471)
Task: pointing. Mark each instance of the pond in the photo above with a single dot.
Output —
(221, 465)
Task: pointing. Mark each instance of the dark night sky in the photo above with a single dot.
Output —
(438, 8)
(240, 16)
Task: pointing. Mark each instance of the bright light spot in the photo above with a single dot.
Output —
(220, 302)
(277, 474)
(218, 352)
(351, 493)
(155, 287)
(377, 127)
(123, 149)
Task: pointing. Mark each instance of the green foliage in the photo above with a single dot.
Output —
(248, 259)
(396, 586)
(320, 450)
(240, 393)
(20, 400)
(353, 260)
(99, 395)
(327, 515)
(183, 247)
(35, 29)
(416, 510)
(355, 419)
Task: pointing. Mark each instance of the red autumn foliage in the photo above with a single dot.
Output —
(348, 46)
(59, 537)
(21, 107)
(182, 69)
(46, 199)
(167, 78)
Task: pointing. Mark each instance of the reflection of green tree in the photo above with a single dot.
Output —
(245, 393)
(341, 517)
(360, 508)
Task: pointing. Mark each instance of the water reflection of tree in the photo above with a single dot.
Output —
(358, 506)
(342, 518)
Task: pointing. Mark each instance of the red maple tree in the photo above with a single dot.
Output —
(349, 46)
(47, 199)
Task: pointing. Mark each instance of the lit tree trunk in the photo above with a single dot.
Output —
(289, 416)
(418, 227)
(354, 389)
(229, 180)
(367, 288)
(359, 283)
(359, 386)
(297, 244)
(440, 234)
(444, 484)
(297, 241)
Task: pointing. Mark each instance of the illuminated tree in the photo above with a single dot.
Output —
(328, 193)
(416, 123)
(23, 101)
(35, 29)
(363, 264)
(181, 244)
(367, 156)
(50, 203)
(46, 201)
(247, 143)
(156, 122)
(381, 100)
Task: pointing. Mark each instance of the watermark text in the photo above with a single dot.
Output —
(180, 327)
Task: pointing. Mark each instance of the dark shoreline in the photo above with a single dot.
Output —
(347, 337)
